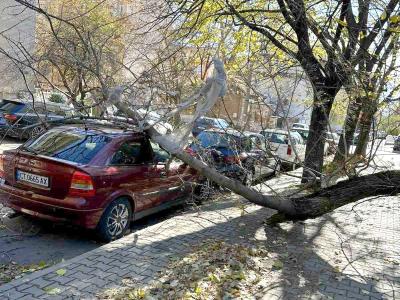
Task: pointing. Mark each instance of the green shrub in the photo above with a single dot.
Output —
(56, 98)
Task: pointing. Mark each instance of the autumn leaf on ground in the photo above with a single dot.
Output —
(52, 290)
(277, 264)
(61, 272)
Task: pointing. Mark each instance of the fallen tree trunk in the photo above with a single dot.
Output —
(313, 205)
(344, 192)
(294, 208)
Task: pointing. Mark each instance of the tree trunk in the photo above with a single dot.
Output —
(366, 119)
(314, 159)
(346, 138)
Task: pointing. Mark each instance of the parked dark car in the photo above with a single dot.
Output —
(23, 119)
(204, 123)
(95, 177)
(396, 146)
(235, 155)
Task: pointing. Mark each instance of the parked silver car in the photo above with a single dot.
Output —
(396, 145)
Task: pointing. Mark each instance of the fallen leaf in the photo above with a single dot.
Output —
(336, 269)
(277, 264)
(52, 290)
(197, 291)
(42, 264)
(384, 15)
(61, 272)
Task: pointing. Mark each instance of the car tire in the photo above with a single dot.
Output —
(115, 221)
(203, 191)
(278, 167)
(248, 178)
(37, 131)
(295, 164)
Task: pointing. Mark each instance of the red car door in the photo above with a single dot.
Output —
(173, 174)
(131, 169)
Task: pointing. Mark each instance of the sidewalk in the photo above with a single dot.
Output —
(350, 253)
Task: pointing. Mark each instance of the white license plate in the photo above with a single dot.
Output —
(33, 178)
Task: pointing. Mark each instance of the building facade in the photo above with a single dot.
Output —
(17, 42)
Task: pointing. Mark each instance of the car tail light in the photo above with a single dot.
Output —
(2, 165)
(81, 185)
(231, 159)
(189, 151)
(10, 117)
(289, 150)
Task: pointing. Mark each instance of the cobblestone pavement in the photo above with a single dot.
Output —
(350, 253)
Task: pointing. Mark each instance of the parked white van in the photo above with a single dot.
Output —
(300, 126)
(289, 146)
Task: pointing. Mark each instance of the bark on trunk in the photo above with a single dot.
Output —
(344, 192)
(346, 139)
(316, 139)
(367, 116)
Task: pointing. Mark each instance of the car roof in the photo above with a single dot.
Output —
(14, 101)
(300, 129)
(230, 131)
(212, 119)
(250, 133)
(47, 103)
(281, 131)
(99, 129)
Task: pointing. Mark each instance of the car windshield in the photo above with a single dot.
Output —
(74, 146)
(11, 107)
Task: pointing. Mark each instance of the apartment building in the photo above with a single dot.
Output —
(17, 40)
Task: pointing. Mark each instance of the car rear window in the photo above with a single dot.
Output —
(278, 138)
(75, 146)
(223, 140)
(221, 123)
(303, 133)
(213, 139)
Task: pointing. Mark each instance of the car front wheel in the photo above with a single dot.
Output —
(248, 178)
(36, 131)
(278, 167)
(115, 221)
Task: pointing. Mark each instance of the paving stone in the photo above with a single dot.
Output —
(81, 276)
(352, 295)
(79, 284)
(41, 283)
(63, 279)
(14, 294)
(335, 291)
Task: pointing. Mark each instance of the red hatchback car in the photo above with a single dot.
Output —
(96, 177)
